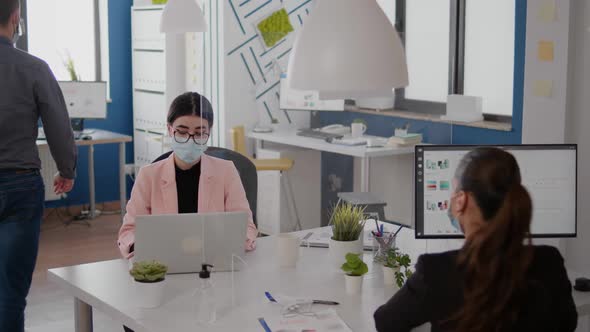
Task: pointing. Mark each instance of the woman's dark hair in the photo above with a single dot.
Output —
(7, 8)
(190, 103)
(495, 258)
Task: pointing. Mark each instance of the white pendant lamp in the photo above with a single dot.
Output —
(348, 49)
(182, 16)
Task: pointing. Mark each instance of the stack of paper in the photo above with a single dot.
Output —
(406, 140)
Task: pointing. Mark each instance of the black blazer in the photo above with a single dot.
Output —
(434, 292)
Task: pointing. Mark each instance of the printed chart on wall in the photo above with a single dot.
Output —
(548, 173)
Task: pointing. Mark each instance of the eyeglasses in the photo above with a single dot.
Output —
(198, 138)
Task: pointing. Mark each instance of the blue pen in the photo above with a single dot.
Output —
(264, 325)
(269, 297)
(381, 230)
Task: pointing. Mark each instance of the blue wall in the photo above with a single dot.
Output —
(119, 117)
(435, 133)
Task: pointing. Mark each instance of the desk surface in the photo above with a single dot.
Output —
(107, 287)
(98, 136)
(290, 137)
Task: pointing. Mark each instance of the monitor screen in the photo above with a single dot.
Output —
(549, 173)
(85, 100)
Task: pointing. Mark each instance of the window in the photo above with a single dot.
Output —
(58, 31)
(456, 47)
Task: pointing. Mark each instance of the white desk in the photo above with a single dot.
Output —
(103, 137)
(290, 137)
(107, 287)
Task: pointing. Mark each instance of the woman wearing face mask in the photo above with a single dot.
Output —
(188, 181)
(498, 281)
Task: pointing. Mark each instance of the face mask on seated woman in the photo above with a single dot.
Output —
(189, 151)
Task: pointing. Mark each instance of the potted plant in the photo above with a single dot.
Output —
(393, 261)
(347, 224)
(355, 268)
(149, 279)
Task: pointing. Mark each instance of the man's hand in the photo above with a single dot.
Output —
(62, 185)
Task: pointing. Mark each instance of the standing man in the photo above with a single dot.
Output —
(28, 90)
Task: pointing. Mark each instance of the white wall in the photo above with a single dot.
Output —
(578, 128)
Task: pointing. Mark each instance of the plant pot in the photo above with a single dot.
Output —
(389, 275)
(149, 294)
(354, 284)
(339, 249)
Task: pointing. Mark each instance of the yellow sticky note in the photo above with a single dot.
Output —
(543, 88)
(545, 51)
(548, 11)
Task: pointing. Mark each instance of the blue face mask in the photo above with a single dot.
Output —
(189, 152)
(454, 222)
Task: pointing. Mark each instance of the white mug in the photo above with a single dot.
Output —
(358, 129)
(288, 250)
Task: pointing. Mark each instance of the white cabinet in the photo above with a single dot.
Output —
(158, 77)
(274, 214)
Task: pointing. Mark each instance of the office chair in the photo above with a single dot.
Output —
(245, 168)
(282, 165)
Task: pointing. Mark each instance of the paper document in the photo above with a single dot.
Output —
(323, 321)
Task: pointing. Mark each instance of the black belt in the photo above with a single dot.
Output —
(19, 171)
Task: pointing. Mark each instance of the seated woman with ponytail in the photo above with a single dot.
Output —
(498, 281)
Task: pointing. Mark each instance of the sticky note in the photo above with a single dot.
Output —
(547, 11)
(543, 88)
(545, 50)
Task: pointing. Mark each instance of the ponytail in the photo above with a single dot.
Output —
(495, 261)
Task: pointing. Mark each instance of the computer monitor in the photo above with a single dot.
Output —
(85, 100)
(549, 173)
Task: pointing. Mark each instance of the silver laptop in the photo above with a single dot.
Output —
(185, 241)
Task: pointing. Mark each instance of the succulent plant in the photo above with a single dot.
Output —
(148, 271)
(354, 265)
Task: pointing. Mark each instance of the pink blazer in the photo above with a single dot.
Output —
(154, 192)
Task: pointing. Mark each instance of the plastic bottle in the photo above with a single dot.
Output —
(206, 308)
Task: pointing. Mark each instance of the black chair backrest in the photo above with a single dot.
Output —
(245, 168)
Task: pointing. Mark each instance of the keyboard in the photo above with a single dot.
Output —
(313, 133)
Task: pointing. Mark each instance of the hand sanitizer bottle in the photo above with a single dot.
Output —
(206, 310)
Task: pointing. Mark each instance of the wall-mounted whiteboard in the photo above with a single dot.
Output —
(85, 100)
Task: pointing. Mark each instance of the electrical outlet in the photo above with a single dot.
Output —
(130, 169)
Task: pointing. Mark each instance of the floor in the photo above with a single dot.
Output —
(49, 309)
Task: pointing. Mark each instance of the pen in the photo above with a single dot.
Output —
(381, 230)
(377, 225)
(325, 302)
(269, 297)
(264, 325)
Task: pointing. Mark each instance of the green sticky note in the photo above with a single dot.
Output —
(275, 27)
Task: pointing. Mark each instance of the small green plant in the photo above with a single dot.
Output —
(393, 259)
(148, 271)
(359, 121)
(347, 222)
(354, 265)
(71, 68)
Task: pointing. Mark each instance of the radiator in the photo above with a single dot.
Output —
(48, 170)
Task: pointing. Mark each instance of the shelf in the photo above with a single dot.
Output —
(492, 125)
